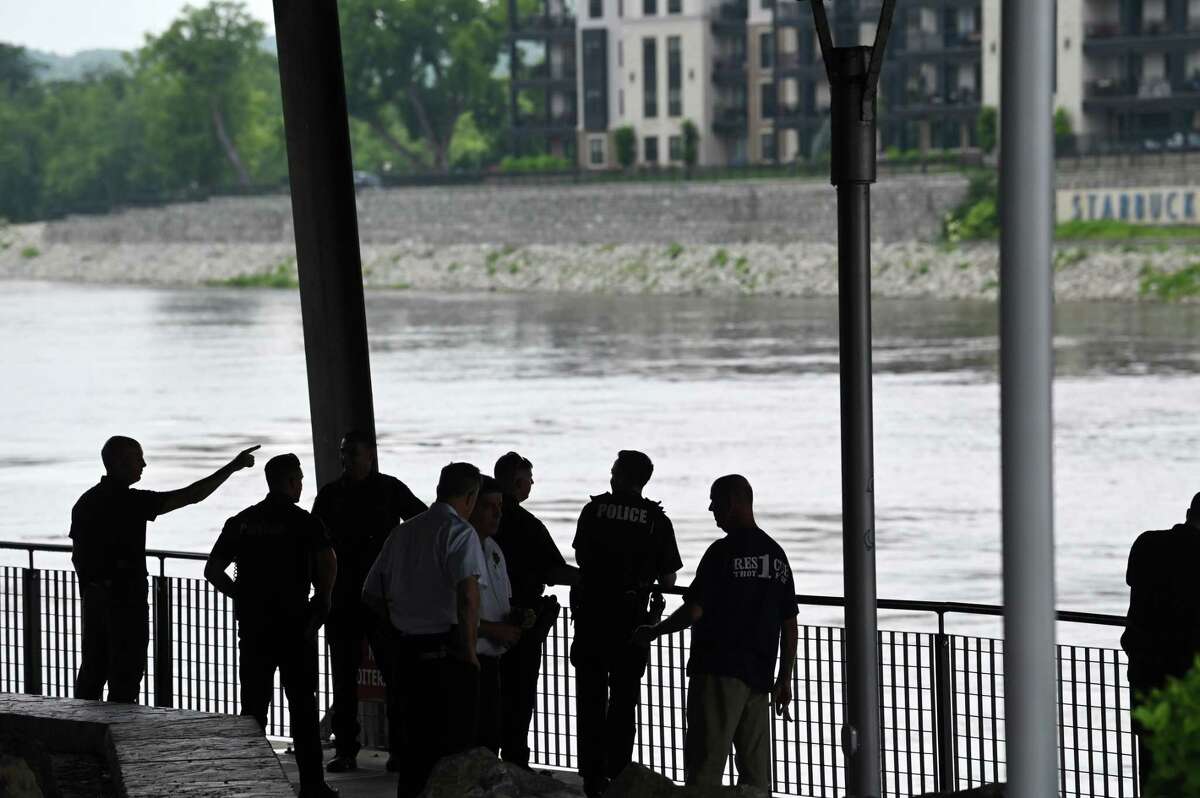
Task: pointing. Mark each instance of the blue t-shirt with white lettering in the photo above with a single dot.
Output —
(744, 586)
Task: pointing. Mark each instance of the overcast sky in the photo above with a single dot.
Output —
(67, 26)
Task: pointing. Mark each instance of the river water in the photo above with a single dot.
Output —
(704, 386)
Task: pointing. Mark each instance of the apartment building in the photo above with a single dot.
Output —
(749, 75)
(543, 75)
(1127, 72)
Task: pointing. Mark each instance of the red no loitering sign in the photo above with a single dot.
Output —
(370, 678)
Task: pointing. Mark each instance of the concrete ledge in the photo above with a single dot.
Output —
(152, 751)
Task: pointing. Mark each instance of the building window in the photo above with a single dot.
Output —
(675, 148)
(649, 8)
(595, 8)
(650, 77)
(768, 146)
(674, 76)
(674, 6)
(766, 50)
(620, 102)
(620, 53)
(651, 145)
(766, 98)
(620, 8)
(596, 151)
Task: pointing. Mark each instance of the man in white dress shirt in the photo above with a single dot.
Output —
(497, 632)
(426, 582)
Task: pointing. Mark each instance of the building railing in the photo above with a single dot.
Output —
(941, 702)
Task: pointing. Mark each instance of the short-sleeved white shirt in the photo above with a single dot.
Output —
(418, 570)
(494, 596)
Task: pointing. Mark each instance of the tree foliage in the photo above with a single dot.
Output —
(198, 109)
(625, 140)
(1172, 716)
(421, 65)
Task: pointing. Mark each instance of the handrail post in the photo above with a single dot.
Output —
(943, 680)
(163, 645)
(31, 615)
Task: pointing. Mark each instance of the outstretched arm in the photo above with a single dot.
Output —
(687, 614)
(202, 489)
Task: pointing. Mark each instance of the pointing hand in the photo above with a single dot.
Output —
(245, 458)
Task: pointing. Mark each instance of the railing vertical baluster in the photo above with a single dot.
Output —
(31, 610)
(162, 643)
(943, 702)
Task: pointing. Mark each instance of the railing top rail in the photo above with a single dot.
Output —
(939, 608)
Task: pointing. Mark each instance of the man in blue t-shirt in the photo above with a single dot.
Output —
(740, 604)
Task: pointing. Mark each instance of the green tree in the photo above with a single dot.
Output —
(17, 71)
(691, 143)
(1063, 131)
(625, 140)
(420, 65)
(203, 59)
(985, 129)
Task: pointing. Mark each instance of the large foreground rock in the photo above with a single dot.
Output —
(638, 781)
(479, 774)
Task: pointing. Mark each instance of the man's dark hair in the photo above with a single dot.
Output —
(1193, 513)
(112, 448)
(734, 486)
(457, 480)
(280, 468)
(508, 465)
(635, 466)
(357, 437)
(488, 485)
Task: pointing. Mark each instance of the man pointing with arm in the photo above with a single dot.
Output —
(108, 537)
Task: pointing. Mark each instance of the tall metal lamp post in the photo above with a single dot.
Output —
(853, 73)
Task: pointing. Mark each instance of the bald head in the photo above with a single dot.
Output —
(731, 501)
(122, 458)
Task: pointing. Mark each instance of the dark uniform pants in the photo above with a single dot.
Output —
(264, 647)
(439, 700)
(519, 668)
(608, 675)
(115, 634)
(490, 712)
(344, 632)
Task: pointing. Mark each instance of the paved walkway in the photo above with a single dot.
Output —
(372, 780)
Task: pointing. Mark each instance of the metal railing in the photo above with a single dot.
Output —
(941, 707)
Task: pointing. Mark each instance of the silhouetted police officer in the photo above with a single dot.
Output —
(1162, 628)
(426, 584)
(623, 544)
(533, 561)
(108, 537)
(281, 551)
(360, 508)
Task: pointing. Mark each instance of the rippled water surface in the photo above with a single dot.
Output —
(704, 386)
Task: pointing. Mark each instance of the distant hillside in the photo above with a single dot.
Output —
(77, 65)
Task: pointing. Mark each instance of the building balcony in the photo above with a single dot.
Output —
(730, 70)
(920, 104)
(543, 75)
(946, 43)
(1111, 38)
(730, 17)
(554, 125)
(799, 117)
(542, 26)
(795, 65)
(1156, 94)
(730, 121)
(790, 13)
